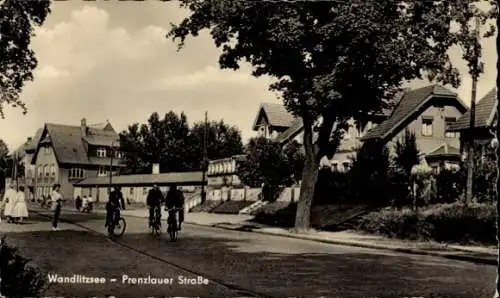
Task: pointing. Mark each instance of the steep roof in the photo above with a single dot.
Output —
(485, 111)
(276, 115)
(185, 178)
(444, 150)
(407, 107)
(294, 129)
(70, 145)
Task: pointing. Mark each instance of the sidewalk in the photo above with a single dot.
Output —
(477, 254)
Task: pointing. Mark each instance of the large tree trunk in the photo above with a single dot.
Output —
(309, 178)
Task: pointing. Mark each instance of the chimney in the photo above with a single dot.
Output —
(156, 169)
(84, 127)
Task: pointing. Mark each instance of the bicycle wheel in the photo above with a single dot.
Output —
(172, 231)
(157, 230)
(119, 230)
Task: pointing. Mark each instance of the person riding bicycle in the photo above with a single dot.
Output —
(175, 199)
(154, 200)
(115, 202)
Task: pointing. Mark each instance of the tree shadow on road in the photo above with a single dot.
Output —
(287, 268)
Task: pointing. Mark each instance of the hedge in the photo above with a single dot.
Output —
(455, 223)
(17, 277)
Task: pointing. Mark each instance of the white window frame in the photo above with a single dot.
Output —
(102, 171)
(427, 127)
(447, 122)
(101, 152)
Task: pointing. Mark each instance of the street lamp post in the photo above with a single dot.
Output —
(111, 166)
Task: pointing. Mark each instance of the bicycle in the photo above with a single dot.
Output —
(172, 229)
(119, 223)
(156, 226)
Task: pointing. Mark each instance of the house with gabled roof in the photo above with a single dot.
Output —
(427, 112)
(272, 120)
(484, 124)
(25, 154)
(67, 154)
(284, 127)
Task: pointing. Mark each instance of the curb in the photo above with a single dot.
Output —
(244, 228)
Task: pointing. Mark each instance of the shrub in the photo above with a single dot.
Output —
(449, 185)
(455, 222)
(331, 187)
(18, 279)
(368, 175)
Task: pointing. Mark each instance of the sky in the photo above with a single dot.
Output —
(110, 61)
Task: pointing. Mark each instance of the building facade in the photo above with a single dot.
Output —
(222, 177)
(68, 154)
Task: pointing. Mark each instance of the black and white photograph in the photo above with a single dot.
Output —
(237, 148)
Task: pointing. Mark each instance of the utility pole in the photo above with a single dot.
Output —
(111, 167)
(472, 123)
(205, 161)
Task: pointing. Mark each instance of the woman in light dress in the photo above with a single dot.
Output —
(8, 199)
(19, 207)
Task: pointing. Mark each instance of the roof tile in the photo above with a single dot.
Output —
(484, 109)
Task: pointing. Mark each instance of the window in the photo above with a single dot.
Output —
(46, 150)
(119, 154)
(101, 152)
(76, 173)
(102, 171)
(131, 191)
(335, 167)
(427, 126)
(46, 170)
(52, 170)
(448, 122)
(40, 171)
(346, 165)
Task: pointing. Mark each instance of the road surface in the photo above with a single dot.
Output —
(236, 264)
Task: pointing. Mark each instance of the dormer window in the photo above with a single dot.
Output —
(101, 152)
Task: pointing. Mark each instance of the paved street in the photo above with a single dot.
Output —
(269, 265)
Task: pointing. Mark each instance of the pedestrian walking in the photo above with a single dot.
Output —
(56, 204)
(20, 209)
(78, 203)
(8, 199)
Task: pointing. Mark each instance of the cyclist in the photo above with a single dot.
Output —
(115, 202)
(175, 199)
(154, 200)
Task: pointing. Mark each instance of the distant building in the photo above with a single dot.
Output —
(135, 187)
(222, 176)
(67, 154)
(25, 154)
(273, 121)
(484, 124)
